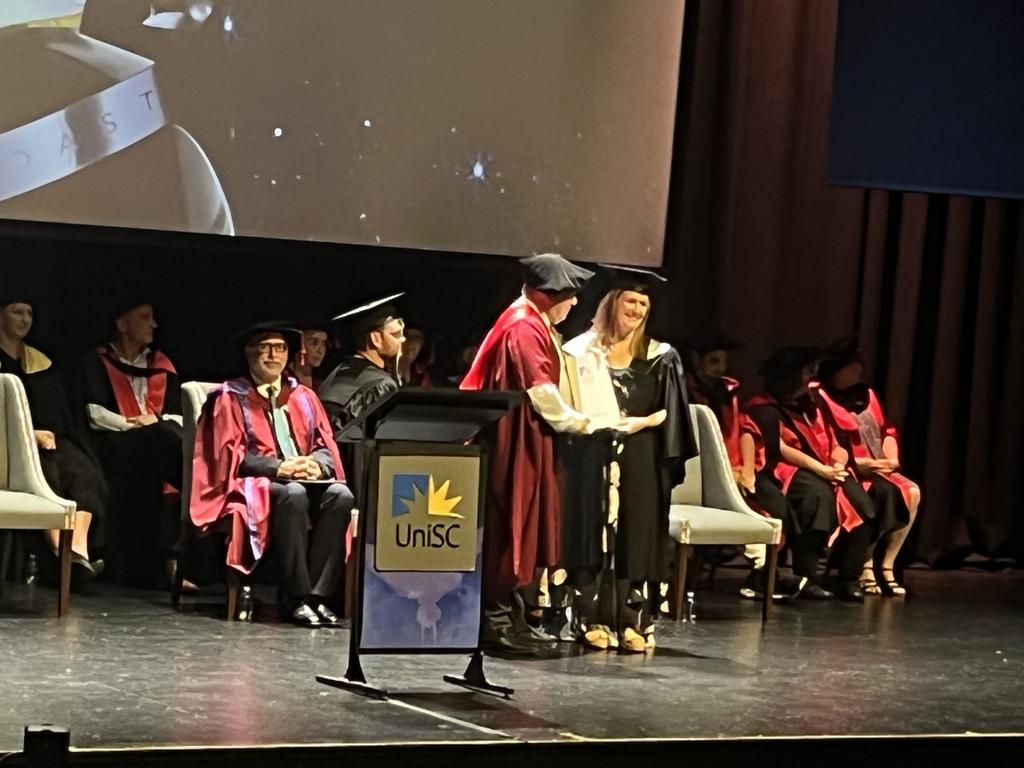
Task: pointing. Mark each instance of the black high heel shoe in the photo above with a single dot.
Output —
(890, 584)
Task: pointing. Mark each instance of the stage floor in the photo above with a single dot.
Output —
(125, 670)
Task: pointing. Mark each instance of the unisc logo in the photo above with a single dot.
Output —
(423, 515)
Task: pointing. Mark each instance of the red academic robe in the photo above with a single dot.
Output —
(157, 370)
(235, 422)
(847, 422)
(523, 498)
(817, 439)
(733, 421)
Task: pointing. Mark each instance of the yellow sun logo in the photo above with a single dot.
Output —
(438, 503)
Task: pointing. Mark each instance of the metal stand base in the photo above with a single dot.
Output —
(474, 679)
(358, 687)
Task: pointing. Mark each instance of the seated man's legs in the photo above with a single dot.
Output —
(327, 539)
(289, 534)
(308, 556)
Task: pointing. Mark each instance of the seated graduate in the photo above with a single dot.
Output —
(857, 411)
(707, 361)
(64, 453)
(132, 401)
(807, 460)
(266, 459)
(307, 360)
(364, 378)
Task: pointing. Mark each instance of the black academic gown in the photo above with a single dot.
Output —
(351, 390)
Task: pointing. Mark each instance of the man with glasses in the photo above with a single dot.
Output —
(266, 458)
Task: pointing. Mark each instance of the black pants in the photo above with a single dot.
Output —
(144, 523)
(814, 504)
(307, 535)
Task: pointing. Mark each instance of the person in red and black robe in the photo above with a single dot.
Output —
(522, 352)
(857, 412)
(266, 461)
(132, 401)
(805, 457)
(707, 360)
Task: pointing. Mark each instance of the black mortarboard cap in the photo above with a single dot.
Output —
(131, 301)
(551, 273)
(709, 340)
(839, 354)
(311, 322)
(287, 328)
(370, 316)
(788, 361)
(15, 292)
(633, 279)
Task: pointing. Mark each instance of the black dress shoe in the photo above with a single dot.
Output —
(850, 591)
(812, 591)
(326, 615)
(305, 616)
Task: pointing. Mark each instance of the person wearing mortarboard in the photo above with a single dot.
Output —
(522, 351)
(65, 455)
(814, 469)
(625, 373)
(857, 411)
(707, 361)
(131, 397)
(266, 459)
(364, 378)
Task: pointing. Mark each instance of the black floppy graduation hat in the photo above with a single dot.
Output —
(551, 273)
(370, 316)
(288, 330)
(709, 340)
(839, 354)
(788, 361)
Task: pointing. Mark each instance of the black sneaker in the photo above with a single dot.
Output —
(786, 587)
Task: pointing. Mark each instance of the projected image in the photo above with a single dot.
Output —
(480, 126)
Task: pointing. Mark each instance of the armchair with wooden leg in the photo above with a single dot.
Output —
(26, 501)
(193, 396)
(707, 509)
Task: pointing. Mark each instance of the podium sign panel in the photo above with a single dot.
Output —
(418, 559)
(422, 566)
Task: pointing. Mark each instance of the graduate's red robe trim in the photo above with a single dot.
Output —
(158, 366)
(847, 421)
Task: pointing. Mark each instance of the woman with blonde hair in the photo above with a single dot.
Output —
(638, 382)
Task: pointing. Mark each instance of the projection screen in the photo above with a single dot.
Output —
(480, 126)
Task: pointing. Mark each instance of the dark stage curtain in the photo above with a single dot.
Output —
(758, 243)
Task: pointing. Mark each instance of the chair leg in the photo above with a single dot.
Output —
(184, 545)
(64, 565)
(234, 585)
(769, 590)
(682, 555)
(5, 560)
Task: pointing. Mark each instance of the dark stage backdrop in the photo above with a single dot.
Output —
(935, 285)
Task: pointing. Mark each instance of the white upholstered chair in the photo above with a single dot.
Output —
(26, 501)
(707, 509)
(194, 396)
